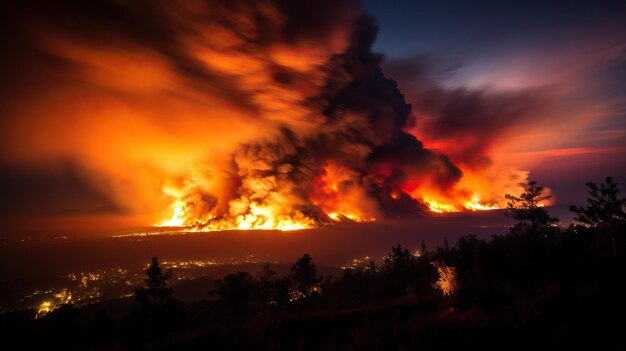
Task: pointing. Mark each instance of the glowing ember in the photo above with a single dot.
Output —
(472, 205)
(448, 282)
(476, 206)
(45, 308)
(438, 207)
(341, 216)
(258, 218)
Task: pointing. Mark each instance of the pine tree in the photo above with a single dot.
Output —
(154, 307)
(304, 276)
(527, 211)
(605, 209)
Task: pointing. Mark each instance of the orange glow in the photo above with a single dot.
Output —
(177, 219)
(45, 308)
(472, 205)
(479, 189)
(335, 191)
(339, 192)
(236, 121)
(258, 217)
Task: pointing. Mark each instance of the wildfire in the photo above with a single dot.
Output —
(45, 308)
(471, 205)
(439, 207)
(177, 219)
(338, 191)
(477, 190)
(251, 115)
(340, 216)
(258, 218)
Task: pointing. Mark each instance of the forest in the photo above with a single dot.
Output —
(540, 286)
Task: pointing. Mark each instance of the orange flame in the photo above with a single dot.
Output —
(192, 124)
(339, 192)
(481, 189)
(259, 217)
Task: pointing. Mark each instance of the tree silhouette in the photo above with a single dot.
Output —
(273, 291)
(423, 249)
(304, 276)
(155, 310)
(605, 209)
(398, 260)
(531, 218)
(404, 273)
(239, 291)
(156, 292)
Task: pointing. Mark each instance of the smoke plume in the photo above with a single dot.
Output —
(229, 114)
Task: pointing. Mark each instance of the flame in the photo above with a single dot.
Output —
(44, 308)
(258, 218)
(472, 205)
(439, 207)
(475, 205)
(178, 217)
(249, 116)
(339, 192)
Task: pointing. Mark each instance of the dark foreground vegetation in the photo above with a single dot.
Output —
(540, 287)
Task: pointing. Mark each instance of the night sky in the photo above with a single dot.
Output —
(574, 47)
(536, 86)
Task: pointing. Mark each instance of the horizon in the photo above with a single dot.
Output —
(472, 122)
(312, 174)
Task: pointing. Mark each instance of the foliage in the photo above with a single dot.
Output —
(399, 260)
(605, 211)
(499, 289)
(604, 208)
(156, 291)
(448, 282)
(242, 293)
(304, 277)
(155, 310)
(239, 291)
(527, 211)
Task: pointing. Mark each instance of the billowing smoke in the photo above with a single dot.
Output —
(228, 114)
(462, 122)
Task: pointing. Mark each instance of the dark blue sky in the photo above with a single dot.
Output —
(575, 48)
(479, 27)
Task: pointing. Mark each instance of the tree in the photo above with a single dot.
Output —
(605, 209)
(156, 292)
(239, 291)
(273, 291)
(398, 260)
(448, 282)
(404, 273)
(423, 249)
(304, 276)
(154, 309)
(531, 218)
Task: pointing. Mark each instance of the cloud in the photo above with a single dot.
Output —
(241, 114)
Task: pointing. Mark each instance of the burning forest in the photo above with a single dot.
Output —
(239, 115)
(373, 174)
